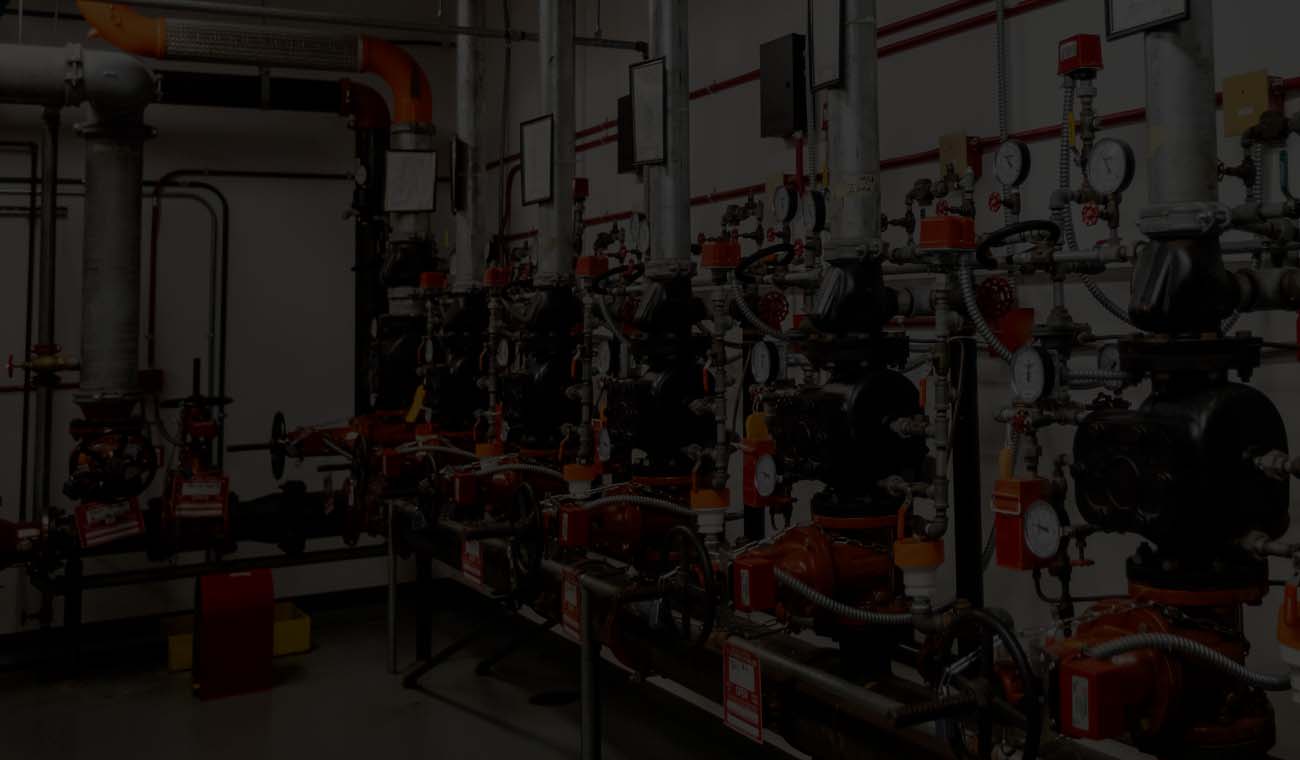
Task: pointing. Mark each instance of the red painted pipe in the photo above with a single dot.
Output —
(965, 25)
(925, 17)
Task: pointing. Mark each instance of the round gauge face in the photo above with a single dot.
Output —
(430, 352)
(503, 354)
(604, 446)
(1031, 375)
(785, 204)
(1042, 530)
(602, 357)
(638, 233)
(765, 476)
(1108, 358)
(1012, 161)
(813, 210)
(764, 364)
(1110, 166)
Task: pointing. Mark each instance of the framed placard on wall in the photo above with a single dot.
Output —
(537, 167)
(826, 33)
(649, 112)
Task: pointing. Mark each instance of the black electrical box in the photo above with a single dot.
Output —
(626, 136)
(783, 83)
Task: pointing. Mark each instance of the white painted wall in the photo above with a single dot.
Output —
(290, 342)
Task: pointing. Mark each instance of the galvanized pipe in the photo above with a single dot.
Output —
(592, 746)
(557, 227)
(110, 316)
(467, 267)
(1183, 158)
(855, 140)
(670, 184)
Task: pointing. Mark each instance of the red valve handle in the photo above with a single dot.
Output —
(702, 239)
(995, 202)
(10, 366)
(942, 208)
(771, 235)
(1091, 215)
(798, 248)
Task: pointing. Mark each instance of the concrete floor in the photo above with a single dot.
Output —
(338, 701)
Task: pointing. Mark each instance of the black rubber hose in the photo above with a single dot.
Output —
(749, 261)
(984, 251)
(634, 272)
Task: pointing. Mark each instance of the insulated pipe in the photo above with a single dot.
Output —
(855, 140)
(1183, 155)
(467, 266)
(557, 223)
(219, 42)
(670, 184)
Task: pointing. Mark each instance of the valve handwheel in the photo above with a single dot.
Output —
(527, 546)
(995, 202)
(688, 588)
(996, 297)
(1091, 215)
(982, 693)
(773, 308)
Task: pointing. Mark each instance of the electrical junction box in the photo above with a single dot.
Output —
(783, 86)
(1079, 56)
(1246, 97)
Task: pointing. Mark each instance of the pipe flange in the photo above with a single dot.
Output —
(1181, 220)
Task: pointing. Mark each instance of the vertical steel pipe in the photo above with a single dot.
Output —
(556, 254)
(110, 316)
(855, 139)
(467, 268)
(670, 184)
(1181, 129)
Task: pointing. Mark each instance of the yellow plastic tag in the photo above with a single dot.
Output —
(417, 406)
(1074, 130)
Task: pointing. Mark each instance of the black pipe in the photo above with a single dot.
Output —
(47, 289)
(370, 299)
(968, 507)
(33, 155)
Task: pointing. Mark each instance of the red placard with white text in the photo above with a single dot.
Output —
(571, 604)
(742, 692)
(471, 562)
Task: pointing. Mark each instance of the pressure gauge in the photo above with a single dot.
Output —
(786, 204)
(765, 363)
(430, 352)
(813, 208)
(502, 355)
(1043, 530)
(1012, 162)
(1111, 166)
(638, 233)
(765, 476)
(602, 357)
(1032, 374)
(604, 446)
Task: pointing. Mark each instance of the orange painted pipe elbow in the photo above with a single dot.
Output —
(368, 108)
(412, 98)
(125, 29)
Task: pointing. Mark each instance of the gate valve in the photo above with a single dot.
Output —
(995, 202)
(1091, 214)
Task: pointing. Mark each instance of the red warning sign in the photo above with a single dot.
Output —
(471, 562)
(742, 692)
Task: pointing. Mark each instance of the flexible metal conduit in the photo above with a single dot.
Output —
(1195, 650)
(839, 609)
(530, 469)
(647, 502)
(222, 42)
(966, 282)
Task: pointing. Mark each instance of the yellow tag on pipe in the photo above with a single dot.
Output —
(417, 406)
(1074, 130)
